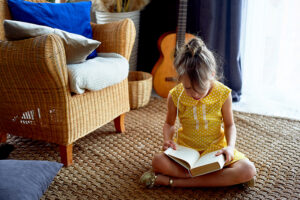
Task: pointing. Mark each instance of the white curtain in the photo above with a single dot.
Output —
(271, 58)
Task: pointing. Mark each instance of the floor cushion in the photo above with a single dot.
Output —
(26, 179)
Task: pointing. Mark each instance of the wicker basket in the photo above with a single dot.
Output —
(140, 87)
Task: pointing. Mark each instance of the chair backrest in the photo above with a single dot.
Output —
(5, 14)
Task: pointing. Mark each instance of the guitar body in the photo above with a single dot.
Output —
(164, 68)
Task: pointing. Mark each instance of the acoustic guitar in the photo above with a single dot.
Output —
(164, 74)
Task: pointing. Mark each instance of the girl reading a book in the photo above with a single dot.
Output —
(202, 105)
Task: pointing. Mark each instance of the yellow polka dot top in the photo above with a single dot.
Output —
(201, 120)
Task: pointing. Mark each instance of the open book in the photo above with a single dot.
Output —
(192, 161)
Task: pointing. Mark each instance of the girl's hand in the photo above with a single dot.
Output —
(169, 143)
(228, 152)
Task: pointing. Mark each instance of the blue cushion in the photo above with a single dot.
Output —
(26, 179)
(70, 17)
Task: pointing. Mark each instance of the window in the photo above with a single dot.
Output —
(271, 58)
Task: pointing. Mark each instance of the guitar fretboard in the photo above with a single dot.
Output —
(181, 23)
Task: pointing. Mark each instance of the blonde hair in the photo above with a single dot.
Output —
(196, 61)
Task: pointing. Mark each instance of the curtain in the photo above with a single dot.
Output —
(218, 23)
(271, 64)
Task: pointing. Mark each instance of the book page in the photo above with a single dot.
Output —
(183, 163)
(186, 154)
(210, 158)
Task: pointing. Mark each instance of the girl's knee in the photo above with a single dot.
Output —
(249, 171)
(244, 171)
(158, 161)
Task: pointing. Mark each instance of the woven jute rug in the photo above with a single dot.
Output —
(107, 165)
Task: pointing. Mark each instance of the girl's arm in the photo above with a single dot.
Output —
(229, 129)
(229, 126)
(169, 126)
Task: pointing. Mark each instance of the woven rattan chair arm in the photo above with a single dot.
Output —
(37, 63)
(117, 37)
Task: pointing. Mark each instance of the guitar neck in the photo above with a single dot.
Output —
(181, 23)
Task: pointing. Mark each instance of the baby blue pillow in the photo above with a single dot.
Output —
(26, 179)
(70, 17)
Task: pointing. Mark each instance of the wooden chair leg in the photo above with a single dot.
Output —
(66, 154)
(120, 123)
(3, 137)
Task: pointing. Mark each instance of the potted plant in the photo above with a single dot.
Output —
(117, 6)
(114, 10)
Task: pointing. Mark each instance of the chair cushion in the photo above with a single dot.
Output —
(95, 74)
(70, 17)
(26, 179)
(77, 47)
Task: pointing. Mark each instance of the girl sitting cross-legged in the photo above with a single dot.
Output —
(203, 104)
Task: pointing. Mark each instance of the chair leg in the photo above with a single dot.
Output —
(66, 154)
(120, 123)
(3, 137)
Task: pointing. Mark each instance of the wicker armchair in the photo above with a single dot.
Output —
(36, 101)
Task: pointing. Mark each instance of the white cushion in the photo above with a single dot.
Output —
(77, 47)
(100, 72)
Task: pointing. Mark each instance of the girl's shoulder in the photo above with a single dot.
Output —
(221, 91)
(220, 86)
(177, 89)
(176, 92)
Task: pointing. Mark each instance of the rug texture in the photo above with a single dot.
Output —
(107, 165)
